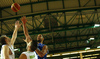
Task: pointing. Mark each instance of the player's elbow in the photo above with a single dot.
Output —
(42, 55)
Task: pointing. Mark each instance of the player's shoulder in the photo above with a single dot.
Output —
(25, 52)
(23, 56)
(6, 46)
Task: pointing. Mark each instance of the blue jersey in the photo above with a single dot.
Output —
(40, 46)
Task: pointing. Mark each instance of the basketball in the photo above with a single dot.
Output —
(15, 7)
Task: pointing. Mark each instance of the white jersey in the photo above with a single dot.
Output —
(30, 55)
(10, 56)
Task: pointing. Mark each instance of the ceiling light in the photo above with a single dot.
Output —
(98, 46)
(96, 25)
(87, 48)
(91, 39)
(87, 41)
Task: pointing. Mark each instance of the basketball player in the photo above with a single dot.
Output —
(42, 48)
(7, 50)
(31, 44)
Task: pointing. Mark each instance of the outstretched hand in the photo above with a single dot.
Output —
(17, 24)
(24, 20)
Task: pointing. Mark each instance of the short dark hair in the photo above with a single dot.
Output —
(33, 45)
(40, 38)
(2, 39)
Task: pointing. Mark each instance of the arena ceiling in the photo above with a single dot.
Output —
(65, 24)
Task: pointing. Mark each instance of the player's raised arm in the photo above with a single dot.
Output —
(14, 36)
(28, 38)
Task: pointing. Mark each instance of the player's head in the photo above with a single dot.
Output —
(40, 38)
(4, 39)
(32, 45)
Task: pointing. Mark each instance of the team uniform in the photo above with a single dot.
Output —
(10, 56)
(40, 46)
(30, 55)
